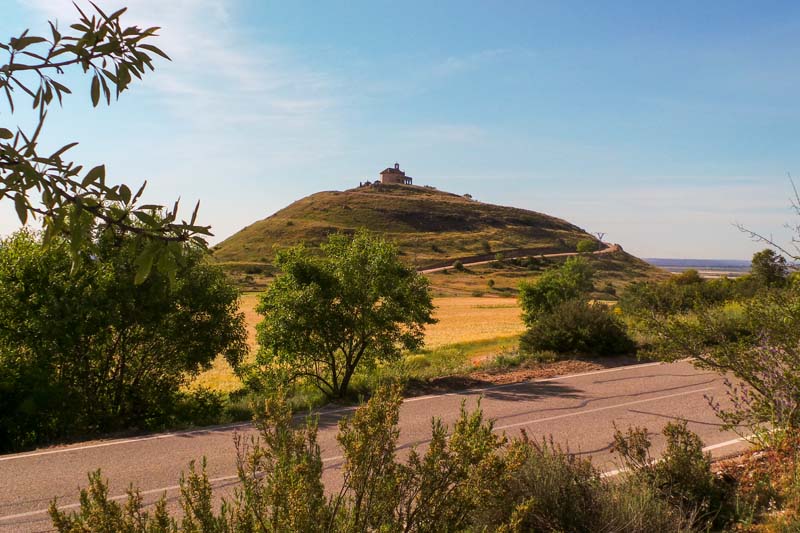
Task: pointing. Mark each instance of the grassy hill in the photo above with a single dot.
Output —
(431, 228)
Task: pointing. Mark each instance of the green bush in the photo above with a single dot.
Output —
(440, 489)
(679, 294)
(458, 265)
(586, 246)
(548, 489)
(569, 281)
(86, 350)
(578, 327)
(682, 475)
(201, 406)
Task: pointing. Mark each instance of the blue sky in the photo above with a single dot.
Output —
(660, 123)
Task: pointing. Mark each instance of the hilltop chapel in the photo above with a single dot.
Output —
(395, 176)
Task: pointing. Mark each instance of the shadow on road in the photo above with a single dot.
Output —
(690, 375)
(575, 393)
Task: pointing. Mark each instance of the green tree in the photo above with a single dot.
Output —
(68, 199)
(350, 306)
(86, 350)
(768, 268)
(688, 277)
(571, 280)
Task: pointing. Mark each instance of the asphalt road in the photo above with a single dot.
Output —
(610, 248)
(579, 412)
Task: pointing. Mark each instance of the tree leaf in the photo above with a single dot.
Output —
(97, 173)
(125, 193)
(6, 134)
(22, 208)
(144, 264)
(155, 50)
(23, 42)
(95, 91)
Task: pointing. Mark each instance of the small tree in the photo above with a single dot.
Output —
(351, 306)
(768, 268)
(571, 280)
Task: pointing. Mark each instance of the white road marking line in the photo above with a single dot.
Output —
(618, 471)
(727, 443)
(214, 429)
(604, 408)
(118, 497)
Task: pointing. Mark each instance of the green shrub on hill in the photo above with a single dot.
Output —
(586, 246)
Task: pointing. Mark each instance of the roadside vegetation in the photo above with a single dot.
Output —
(468, 478)
(85, 351)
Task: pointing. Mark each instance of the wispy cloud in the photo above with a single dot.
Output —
(217, 75)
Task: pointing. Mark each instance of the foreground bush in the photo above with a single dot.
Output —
(682, 475)
(549, 489)
(578, 327)
(469, 479)
(86, 350)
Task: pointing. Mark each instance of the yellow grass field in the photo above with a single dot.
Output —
(473, 319)
(461, 319)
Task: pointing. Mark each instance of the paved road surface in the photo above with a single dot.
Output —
(611, 248)
(578, 411)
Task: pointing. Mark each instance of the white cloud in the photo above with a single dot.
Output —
(216, 74)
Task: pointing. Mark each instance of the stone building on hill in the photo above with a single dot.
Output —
(395, 176)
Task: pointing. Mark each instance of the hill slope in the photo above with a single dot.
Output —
(430, 226)
(432, 229)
